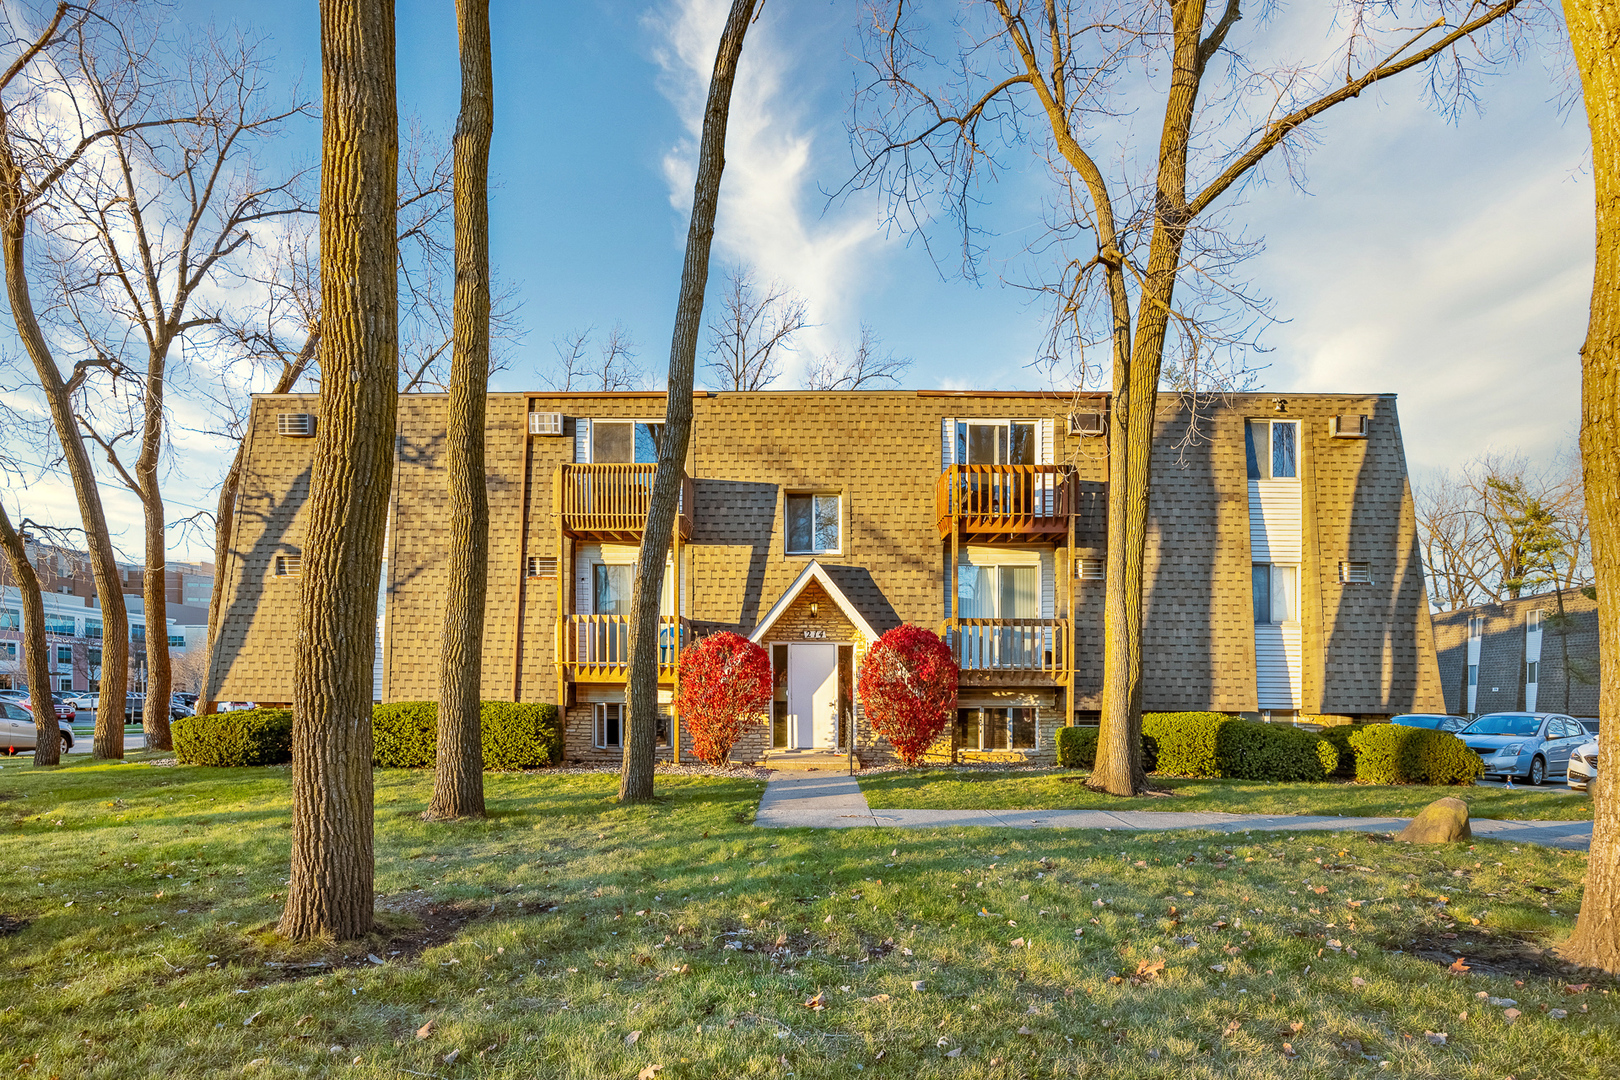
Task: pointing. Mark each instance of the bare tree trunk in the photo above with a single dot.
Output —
(331, 888)
(155, 580)
(636, 777)
(48, 743)
(109, 738)
(458, 785)
(1594, 31)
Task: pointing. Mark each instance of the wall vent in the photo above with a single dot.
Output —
(289, 565)
(296, 425)
(1355, 573)
(542, 566)
(1350, 426)
(545, 423)
(1086, 423)
(1090, 569)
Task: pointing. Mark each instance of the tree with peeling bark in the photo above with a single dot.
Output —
(330, 891)
(154, 222)
(641, 689)
(36, 658)
(1594, 31)
(1143, 273)
(57, 56)
(458, 784)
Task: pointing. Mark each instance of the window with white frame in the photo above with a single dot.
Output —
(1532, 672)
(1276, 593)
(996, 442)
(814, 524)
(1532, 620)
(64, 654)
(1476, 627)
(995, 729)
(609, 726)
(625, 442)
(1272, 449)
(998, 592)
(65, 684)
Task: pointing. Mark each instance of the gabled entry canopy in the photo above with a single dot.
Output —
(817, 573)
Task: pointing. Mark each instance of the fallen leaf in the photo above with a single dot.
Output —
(425, 1030)
(1147, 969)
(249, 1021)
(373, 958)
(1457, 966)
(1017, 943)
(1025, 1031)
(956, 1053)
(918, 985)
(1556, 1014)
(450, 1058)
(1510, 1015)
(1576, 988)
(817, 1002)
(650, 1072)
(1232, 1028)
(632, 1038)
(877, 998)
(1357, 980)
(1436, 1038)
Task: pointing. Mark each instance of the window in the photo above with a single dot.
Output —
(65, 685)
(1272, 449)
(998, 592)
(92, 656)
(609, 733)
(612, 588)
(1276, 594)
(8, 650)
(1532, 622)
(1476, 628)
(995, 729)
(779, 716)
(92, 629)
(1530, 671)
(59, 624)
(199, 592)
(625, 442)
(1473, 674)
(1090, 569)
(289, 565)
(813, 525)
(1355, 573)
(10, 619)
(177, 641)
(64, 654)
(995, 442)
(137, 634)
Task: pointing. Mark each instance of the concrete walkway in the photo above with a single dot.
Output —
(830, 800)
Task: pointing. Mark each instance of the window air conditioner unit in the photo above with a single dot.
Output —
(1086, 423)
(1350, 426)
(545, 423)
(296, 425)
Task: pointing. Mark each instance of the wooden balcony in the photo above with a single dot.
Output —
(596, 648)
(1008, 503)
(609, 502)
(992, 651)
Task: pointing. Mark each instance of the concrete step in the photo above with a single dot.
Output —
(816, 760)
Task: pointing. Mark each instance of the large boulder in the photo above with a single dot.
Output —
(1441, 822)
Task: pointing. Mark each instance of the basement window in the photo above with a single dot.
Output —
(609, 726)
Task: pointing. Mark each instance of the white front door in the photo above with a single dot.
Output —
(813, 696)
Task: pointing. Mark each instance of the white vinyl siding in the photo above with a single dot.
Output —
(1278, 652)
(1276, 534)
(947, 443)
(582, 441)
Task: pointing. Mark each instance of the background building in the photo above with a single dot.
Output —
(1534, 653)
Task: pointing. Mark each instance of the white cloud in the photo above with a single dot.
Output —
(770, 212)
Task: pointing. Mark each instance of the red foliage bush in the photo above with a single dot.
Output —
(725, 689)
(908, 688)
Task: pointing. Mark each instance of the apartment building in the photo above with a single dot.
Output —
(1533, 652)
(73, 635)
(1283, 574)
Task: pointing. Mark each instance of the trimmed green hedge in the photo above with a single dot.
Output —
(516, 735)
(1207, 744)
(1391, 754)
(1339, 736)
(1077, 749)
(250, 737)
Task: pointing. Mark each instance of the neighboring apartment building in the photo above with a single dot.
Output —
(73, 617)
(1283, 574)
(1535, 652)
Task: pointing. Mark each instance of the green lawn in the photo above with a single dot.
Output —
(565, 925)
(1065, 789)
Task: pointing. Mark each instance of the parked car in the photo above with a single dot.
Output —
(1432, 721)
(63, 701)
(85, 702)
(64, 713)
(1527, 746)
(188, 700)
(233, 706)
(1590, 723)
(19, 732)
(1582, 765)
(178, 708)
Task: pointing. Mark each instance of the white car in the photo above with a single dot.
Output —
(1583, 765)
(18, 731)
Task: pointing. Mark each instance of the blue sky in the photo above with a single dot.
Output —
(1447, 262)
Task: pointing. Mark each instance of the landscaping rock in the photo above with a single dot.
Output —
(1441, 822)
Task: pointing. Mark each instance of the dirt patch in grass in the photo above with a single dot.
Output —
(1487, 953)
(11, 924)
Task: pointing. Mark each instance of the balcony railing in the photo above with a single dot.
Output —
(609, 502)
(1007, 502)
(1024, 647)
(596, 648)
